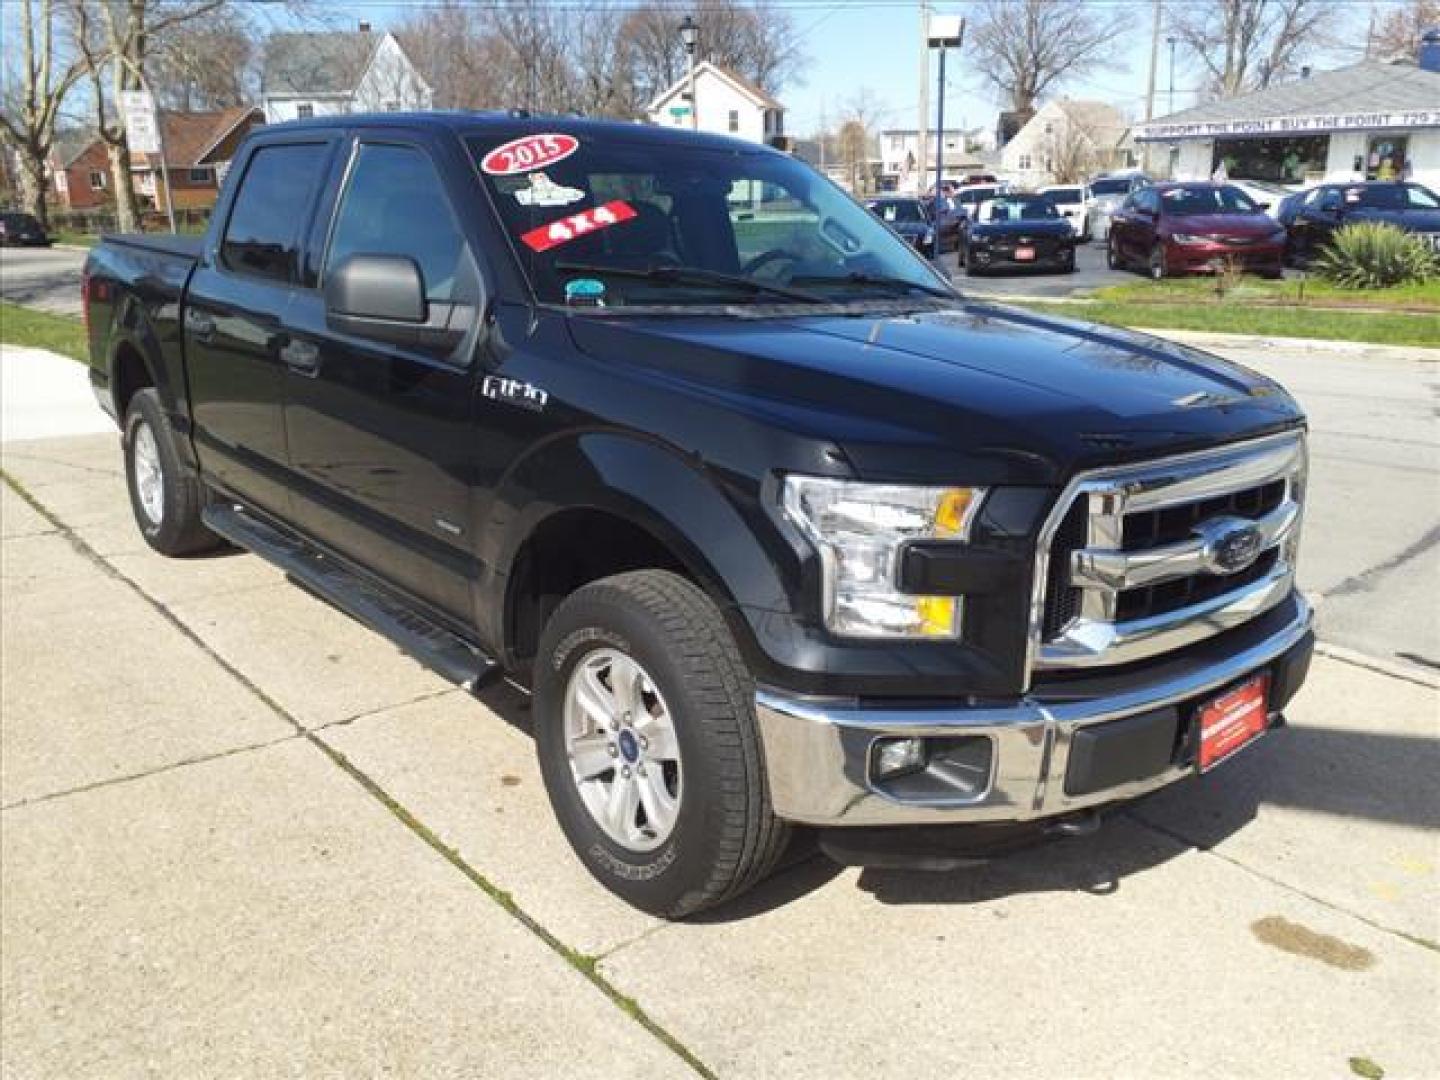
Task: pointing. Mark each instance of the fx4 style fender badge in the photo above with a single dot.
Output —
(515, 392)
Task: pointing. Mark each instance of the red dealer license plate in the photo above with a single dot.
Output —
(1234, 719)
(1024, 254)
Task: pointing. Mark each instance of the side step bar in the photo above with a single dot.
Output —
(449, 656)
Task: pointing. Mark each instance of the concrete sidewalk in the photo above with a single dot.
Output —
(244, 836)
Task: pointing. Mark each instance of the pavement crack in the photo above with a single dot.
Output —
(346, 721)
(171, 766)
(587, 966)
(1362, 581)
(1180, 838)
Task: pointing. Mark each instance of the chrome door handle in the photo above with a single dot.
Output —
(199, 325)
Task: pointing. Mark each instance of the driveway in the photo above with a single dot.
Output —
(243, 835)
(45, 278)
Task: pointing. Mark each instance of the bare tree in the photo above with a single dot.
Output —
(1246, 45)
(1398, 31)
(757, 40)
(1026, 48)
(206, 64)
(33, 97)
(456, 49)
(859, 117)
(117, 38)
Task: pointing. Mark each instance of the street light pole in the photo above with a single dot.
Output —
(942, 32)
(689, 34)
(940, 130)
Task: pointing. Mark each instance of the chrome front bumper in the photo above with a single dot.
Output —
(818, 754)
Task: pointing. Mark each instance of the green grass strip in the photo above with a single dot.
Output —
(43, 330)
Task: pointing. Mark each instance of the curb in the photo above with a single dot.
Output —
(1395, 669)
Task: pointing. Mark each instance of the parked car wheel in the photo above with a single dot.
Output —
(646, 733)
(1158, 270)
(1112, 256)
(166, 496)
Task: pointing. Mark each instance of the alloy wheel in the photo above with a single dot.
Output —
(149, 476)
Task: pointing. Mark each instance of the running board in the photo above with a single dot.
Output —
(445, 653)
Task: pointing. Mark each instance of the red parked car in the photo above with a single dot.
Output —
(1173, 229)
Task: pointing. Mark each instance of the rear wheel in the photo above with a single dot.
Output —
(1112, 255)
(646, 733)
(165, 495)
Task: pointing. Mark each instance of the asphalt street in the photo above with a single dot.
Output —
(243, 835)
(45, 278)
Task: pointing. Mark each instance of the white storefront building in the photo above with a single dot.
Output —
(1370, 121)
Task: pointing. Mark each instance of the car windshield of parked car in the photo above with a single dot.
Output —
(895, 211)
(1113, 186)
(1392, 197)
(1063, 195)
(1187, 201)
(1033, 208)
(619, 222)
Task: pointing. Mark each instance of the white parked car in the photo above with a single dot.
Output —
(1266, 193)
(1105, 194)
(1069, 201)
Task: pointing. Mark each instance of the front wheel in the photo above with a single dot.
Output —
(646, 733)
(1112, 256)
(1157, 265)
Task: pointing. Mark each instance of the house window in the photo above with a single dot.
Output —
(734, 119)
(97, 180)
(1024, 162)
(201, 175)
(304, 111)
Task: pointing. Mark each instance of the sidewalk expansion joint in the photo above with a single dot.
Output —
(429, 695)
(587, 966)
(199, 759)
(1180, 838)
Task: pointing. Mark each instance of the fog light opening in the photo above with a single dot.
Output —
(897, 757)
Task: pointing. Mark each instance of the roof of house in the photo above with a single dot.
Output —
(189, 137)
(317, 63)
(1365, 87)
(707, 67)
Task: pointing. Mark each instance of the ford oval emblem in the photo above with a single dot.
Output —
(1235, 549)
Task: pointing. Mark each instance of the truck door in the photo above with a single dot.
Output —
(380, 433)
(233, 323)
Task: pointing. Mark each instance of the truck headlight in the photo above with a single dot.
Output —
(859, 530)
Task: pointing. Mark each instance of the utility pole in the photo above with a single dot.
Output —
(1171, 39)
(923, 144)
(689, 34)
(1154, 63)
(945, 32)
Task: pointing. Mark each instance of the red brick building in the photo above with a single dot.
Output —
(198, 149)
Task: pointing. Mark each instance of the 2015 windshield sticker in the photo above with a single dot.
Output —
(577, 225)
(545, 192)
(528, 154)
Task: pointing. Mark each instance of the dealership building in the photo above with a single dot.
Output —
(1370, 121)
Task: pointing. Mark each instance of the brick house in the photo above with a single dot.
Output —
(198, 149)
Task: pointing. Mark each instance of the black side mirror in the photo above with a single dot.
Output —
(1262, 206)
(382, 298)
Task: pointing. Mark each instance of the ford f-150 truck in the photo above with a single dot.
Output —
(778, 528)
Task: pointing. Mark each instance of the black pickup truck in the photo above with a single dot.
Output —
(778, 528)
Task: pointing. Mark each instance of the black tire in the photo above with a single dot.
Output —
(179, 530)
(1112, 257)
(726, 838)
(1155, 266)
(1068, 266)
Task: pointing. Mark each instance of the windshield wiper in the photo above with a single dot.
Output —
(858, 277)
(692, 275)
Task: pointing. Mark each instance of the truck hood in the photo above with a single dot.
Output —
(978, 392)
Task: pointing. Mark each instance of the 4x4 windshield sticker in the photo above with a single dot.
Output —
(543, 191)
(577, 225)
(529, 153)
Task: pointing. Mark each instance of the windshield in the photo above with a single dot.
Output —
(897, 210)
(1017, 208)
(1063, 195)
(1181, 202)
(1115, 186)
(619, 223)
(1392, 197)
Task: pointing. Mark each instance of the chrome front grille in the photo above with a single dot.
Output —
(1142, 559)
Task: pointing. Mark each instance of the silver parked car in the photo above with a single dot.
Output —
(1107, 192)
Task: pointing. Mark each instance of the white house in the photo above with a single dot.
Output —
(906, 168)
(725, 104)
(1066, 141)
(322, 74)
(1369, 121)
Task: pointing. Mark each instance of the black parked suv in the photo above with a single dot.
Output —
(779, 529)
(21, 230)
(1312, 217)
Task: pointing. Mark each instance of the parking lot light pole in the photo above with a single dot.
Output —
(689, 34)
(945, 32)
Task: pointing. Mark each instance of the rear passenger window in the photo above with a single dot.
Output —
(394, 204)
(262, 237)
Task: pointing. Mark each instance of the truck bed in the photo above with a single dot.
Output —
(185, 247)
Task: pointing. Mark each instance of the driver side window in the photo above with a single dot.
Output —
(394, 204)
